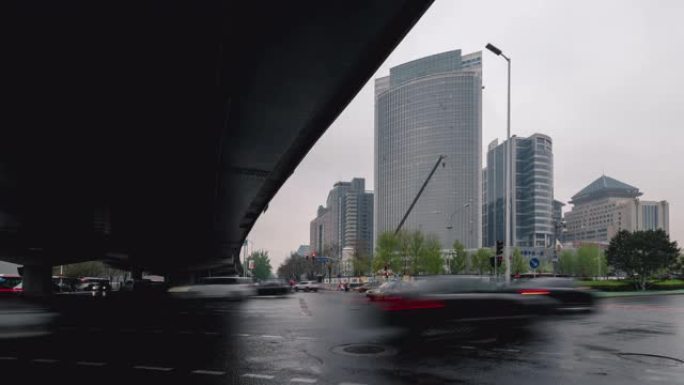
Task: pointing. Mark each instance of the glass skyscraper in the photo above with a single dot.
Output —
(532, 212)
(426, 108)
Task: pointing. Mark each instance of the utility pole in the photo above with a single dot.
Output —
(508, 168)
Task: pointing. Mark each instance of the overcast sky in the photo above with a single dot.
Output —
(602, 78)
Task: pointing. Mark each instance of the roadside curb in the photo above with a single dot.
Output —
(608, 294)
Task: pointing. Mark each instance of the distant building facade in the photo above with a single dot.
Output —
(304, 250)
(532, 211)
(425, 108)
(558, 222)
(345, 221)
(607, 206)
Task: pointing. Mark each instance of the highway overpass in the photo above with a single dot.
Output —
(153, 135)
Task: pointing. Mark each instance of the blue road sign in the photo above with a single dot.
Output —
(534, 263)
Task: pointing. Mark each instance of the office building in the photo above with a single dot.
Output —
(607, 206)
(345, 221)
(558, 222)
(304, 250)
(426, 108)
(532, 208)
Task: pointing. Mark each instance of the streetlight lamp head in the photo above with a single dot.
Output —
(494, 50)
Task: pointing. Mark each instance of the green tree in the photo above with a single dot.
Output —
(416, 243)
(387, 252)
(641, 254)
(293, 267)
(459, 258)
(518, 265)
(404, 250)
(262, 264)
(584, 265)
(431, 260)
(545, 267)
(83, 269)
(678, 266)
(481, 260)
(567, 263)
(360, 262)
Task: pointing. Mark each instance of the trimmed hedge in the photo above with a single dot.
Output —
(628, 285)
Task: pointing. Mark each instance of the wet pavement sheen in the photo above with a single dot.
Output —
(336, 338)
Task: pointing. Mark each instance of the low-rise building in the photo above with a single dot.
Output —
(606, 206)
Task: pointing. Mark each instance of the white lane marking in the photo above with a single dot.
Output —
(304, 380)
(549, 353)
(241, 335)
(259, 376)
(44, 360)
(89, 363)
(8, 358)
(155, 368)
(467, 347)
(506, 350)
(306, 338)
(270, 336)
(209, 372)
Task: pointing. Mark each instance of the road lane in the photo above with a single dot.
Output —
(303, 338)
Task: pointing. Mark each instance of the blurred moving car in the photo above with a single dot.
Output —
(388, 288)
(273, 287)
(442, 305)
(10, 284)
(87, 283)
(96, 287)
(363, 288)
(307, 286)
(216, 288)
(22, 319)
(65, 284)
(568, 295)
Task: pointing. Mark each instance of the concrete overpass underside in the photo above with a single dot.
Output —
(153, 136)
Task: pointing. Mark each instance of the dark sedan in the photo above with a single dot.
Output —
(440, 305)
(568, 295)
(273, 287)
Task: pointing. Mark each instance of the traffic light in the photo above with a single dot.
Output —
(497, 259)
(499, 248)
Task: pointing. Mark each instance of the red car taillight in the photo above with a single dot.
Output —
(534, 292)
(399, 303)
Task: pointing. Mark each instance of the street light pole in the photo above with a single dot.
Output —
(508, 168)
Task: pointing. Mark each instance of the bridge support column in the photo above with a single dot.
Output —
(136, 274)
(37, 281)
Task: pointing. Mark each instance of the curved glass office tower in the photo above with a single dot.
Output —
(426, 108)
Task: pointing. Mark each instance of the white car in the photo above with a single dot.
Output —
(307, 286)
(227, 288)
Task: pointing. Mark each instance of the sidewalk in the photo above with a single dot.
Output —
(611, 294)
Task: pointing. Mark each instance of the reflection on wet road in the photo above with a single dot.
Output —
(335, 338)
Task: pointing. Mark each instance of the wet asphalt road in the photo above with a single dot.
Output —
(305, 338)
